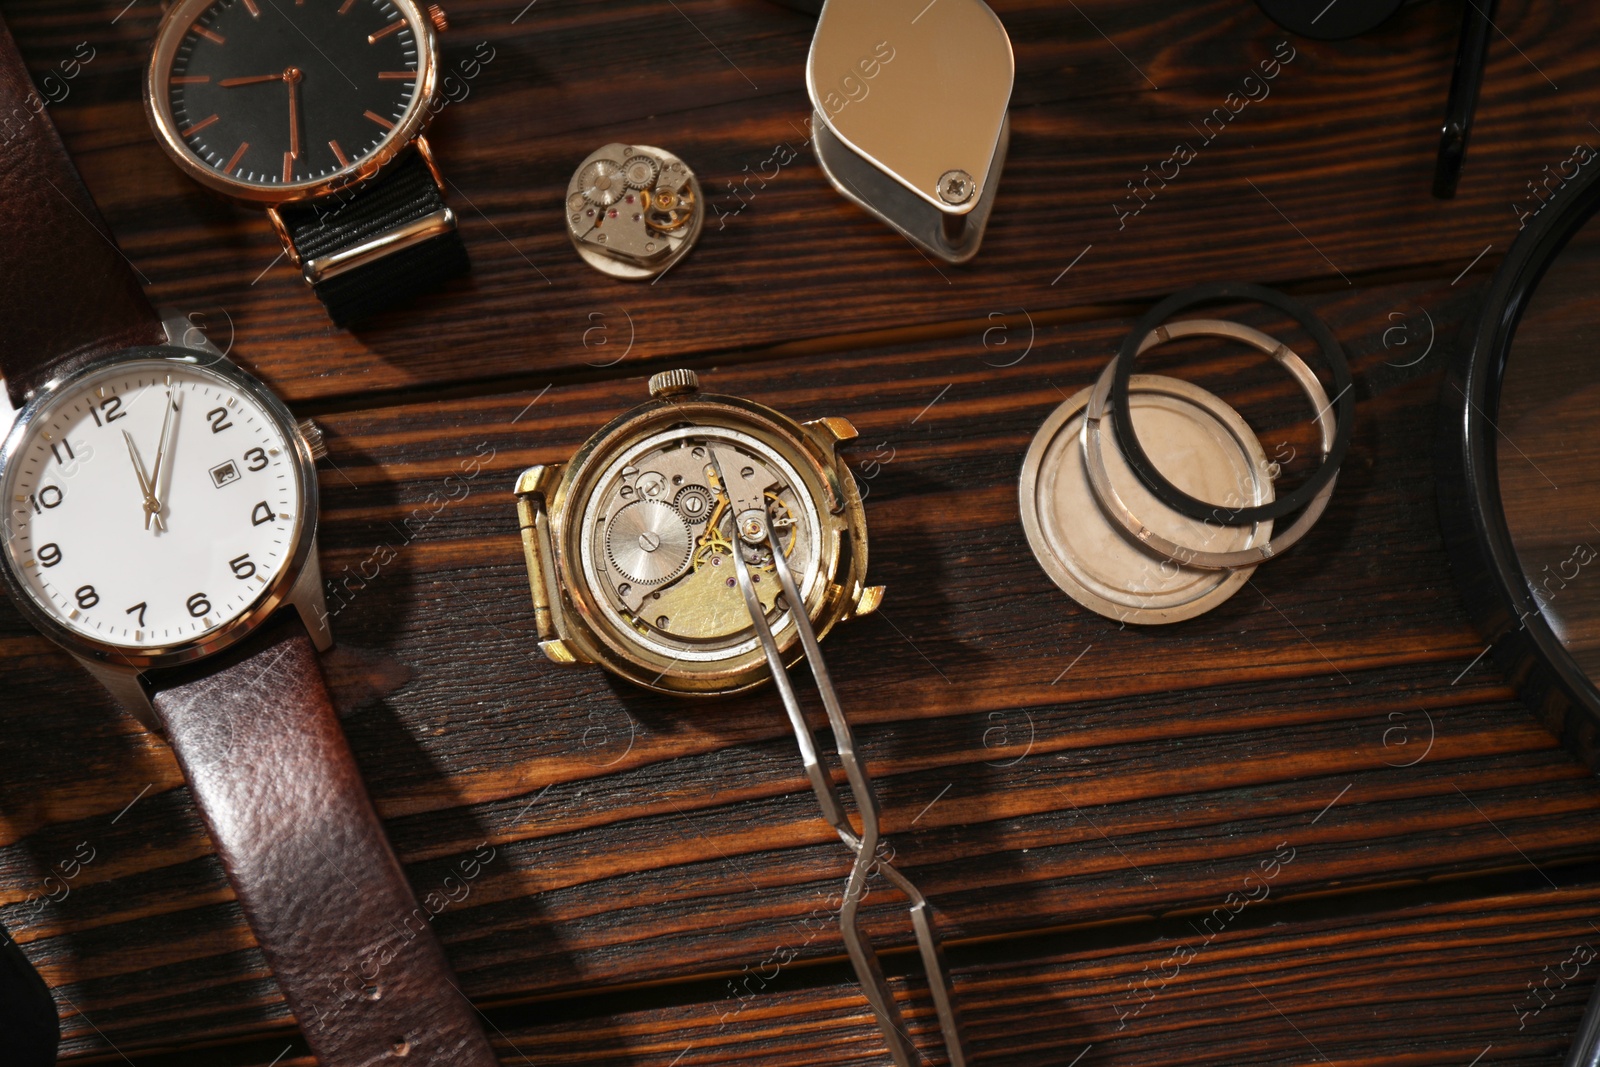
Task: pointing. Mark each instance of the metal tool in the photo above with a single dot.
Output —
(910, 117)
(750, 522)
(1585, 1051)
(1477, 18)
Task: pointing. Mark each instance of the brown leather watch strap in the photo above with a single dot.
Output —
(273, 777)
(66, 292)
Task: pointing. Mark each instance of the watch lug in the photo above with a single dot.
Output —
(425, 150)
(537, 480)
(533, 485)
(828, 433)
(311, 602)
(281, 228)
(867, 599)
(126, 686)
(835, 426)
(184, 332)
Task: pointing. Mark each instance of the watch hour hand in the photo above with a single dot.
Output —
(150, 508)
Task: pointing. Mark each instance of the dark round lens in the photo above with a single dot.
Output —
(1330, 20)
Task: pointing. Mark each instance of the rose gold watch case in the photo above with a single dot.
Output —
(575, 629)
(182, 14)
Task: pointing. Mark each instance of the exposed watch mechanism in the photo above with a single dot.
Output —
(638, 545)
(663, 535)
(633, 211)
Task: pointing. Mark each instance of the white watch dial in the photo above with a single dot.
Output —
(151, 503)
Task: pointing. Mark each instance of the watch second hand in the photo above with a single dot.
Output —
(144, 482)
(153, 503)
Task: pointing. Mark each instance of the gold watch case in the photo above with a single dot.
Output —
(628, 543)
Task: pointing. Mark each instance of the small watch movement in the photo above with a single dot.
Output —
(633, 211)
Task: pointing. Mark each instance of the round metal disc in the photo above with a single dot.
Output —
(1209, 450)
(648, 542)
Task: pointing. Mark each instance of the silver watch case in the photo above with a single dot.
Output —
(297, 585)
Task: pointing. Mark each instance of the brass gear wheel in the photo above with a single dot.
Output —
(669, 210)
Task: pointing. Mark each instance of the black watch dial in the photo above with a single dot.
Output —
(287, 93)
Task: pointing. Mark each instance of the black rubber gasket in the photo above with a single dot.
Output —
(1344, 403)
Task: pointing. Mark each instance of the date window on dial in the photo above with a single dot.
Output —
(225, 474)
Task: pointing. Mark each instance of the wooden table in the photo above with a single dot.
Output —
(1083, 802)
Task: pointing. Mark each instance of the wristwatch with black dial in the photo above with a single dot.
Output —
(316, 111)
(160, 525)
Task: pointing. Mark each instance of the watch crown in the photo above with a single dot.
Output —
(674, 383)
(312, 434)
(437, 16)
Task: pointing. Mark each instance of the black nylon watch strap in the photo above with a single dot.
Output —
(404, 193)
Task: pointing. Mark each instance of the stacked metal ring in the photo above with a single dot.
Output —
(1085, 507)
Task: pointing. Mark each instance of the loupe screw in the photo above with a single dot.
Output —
(955, 187)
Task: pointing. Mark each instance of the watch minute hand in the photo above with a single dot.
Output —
(255, 79)
(154, 503)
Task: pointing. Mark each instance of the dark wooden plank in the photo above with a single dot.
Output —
(1273, 984)
(1328, 177)
(1345, 989)
(645, 839)
(646, 849)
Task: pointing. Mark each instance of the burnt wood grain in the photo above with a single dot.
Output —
(609, 866)
(1327, 177)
